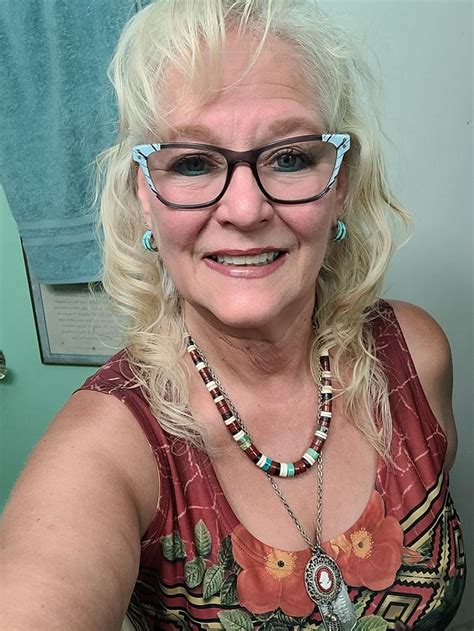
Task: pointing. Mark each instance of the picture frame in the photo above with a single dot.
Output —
(74, 323)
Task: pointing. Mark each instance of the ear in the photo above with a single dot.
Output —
(339, 199)
(341, 185)
(144, 195)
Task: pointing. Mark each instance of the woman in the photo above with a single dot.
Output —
(246, 220)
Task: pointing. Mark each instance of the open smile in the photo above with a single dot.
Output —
(264, 258)
(246, 264)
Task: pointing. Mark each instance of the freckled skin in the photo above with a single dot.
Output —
(241, 118)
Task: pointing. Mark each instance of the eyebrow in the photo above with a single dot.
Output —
(276, 129)
(293, 124)
(197, 132)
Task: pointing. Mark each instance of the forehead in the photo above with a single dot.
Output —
(255, 100)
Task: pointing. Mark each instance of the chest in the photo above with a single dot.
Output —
(349, 468)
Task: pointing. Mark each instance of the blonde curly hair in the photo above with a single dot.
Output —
(189, 35)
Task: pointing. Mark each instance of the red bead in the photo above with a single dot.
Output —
(253, 453)
(300, 466)
(274, 468)
(234, 428)
(222, 407)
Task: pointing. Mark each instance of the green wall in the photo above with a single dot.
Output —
(32, 392)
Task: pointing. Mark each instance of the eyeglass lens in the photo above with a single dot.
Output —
(289, 172)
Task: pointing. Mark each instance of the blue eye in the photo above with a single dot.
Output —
(192, 166)
(290, 161)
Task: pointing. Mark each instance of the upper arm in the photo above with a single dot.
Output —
(431, 354)
(71, 530)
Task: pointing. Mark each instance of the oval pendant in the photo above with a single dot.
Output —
(325, 587)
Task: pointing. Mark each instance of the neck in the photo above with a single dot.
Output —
(248, 355)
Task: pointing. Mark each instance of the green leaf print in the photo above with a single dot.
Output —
(371, 623)
(202, 538)
(359, 608)
(213, 579)
(228, 593)
(173, 547)
(271, 625)
(226, 557)
(282, 617)
(235, 620)
(279, 621)
(194, 572)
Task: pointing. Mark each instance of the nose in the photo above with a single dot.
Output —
(244, 204)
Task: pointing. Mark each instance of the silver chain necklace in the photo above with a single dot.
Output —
(323, 579)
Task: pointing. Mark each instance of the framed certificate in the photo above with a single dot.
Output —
(74, 323)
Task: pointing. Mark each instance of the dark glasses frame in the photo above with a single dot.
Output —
(140, 154)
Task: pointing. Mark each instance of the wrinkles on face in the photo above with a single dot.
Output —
(265, 86)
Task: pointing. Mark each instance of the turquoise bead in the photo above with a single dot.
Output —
(267, 464)
(314, 454)
(245, 442)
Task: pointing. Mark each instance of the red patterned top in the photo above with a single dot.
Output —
(402, 560)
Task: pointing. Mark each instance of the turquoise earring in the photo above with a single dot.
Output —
(149, 241)
(341, 231)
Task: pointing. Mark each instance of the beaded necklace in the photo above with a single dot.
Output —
(241, 436)
(323, 579)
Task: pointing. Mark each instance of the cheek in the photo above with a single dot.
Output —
(322, 217)
(176, 231)
(311, 224)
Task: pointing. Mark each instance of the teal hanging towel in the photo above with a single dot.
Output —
(56, 115)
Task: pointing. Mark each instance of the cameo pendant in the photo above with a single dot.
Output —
(324, 584)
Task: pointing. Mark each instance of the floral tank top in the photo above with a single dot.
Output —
(403, 559)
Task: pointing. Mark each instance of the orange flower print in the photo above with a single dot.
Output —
(369, 553)
(270, 578)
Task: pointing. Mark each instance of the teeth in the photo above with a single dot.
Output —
(257, 259)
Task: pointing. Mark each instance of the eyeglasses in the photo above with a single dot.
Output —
(291, 171)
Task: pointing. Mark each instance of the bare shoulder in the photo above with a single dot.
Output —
(427, 341)
(73, 524)
(431, 353)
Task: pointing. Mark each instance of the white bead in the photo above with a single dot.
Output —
(261, 461)
(240, 434)
(283, 470)
(230, 420)
(211, 385)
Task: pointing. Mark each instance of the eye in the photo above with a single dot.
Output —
(290, 160)
(192, 165)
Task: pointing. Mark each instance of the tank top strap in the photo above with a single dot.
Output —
(418, 443)
(116, 378)
(403, 382)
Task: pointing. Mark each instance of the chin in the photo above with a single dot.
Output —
(246, 319)
(241, 317)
